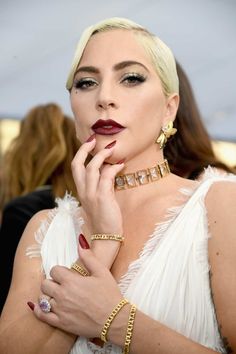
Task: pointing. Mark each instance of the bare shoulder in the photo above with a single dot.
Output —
(222, 188)
(28, 236)
(221, 202)
(33, 225)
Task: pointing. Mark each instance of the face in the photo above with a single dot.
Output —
(118, 95)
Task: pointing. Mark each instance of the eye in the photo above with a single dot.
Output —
(133, 79)
(85, 83)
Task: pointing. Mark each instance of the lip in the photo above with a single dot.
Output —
(107, 127)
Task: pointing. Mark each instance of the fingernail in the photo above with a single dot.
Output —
(109, 146)
(91, 138)
(31, 305)
(83, 242)
(120, 162)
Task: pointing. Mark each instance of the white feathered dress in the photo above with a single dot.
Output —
(170, 279)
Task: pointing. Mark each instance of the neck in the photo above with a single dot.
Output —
(142, 177)
(144, 159)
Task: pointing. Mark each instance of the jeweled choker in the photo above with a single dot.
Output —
(141, 177)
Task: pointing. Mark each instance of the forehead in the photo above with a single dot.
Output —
(112, 47)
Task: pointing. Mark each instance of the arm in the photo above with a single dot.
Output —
(79, 312)
(17, 320)
(151, 336)
(221, 211)
(17, 317)
(83, 313)
(16, 215)
(12, 227)
(221, 207)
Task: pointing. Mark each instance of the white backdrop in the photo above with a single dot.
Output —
(38, 38)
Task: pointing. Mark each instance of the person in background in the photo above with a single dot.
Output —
(37, 169)
(0, 186)
(190, 151)
(127, 271)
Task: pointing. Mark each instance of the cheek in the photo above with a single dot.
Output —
(76, 112)
(79, 109)
(148, 108)
(74, 102)
(81, 105)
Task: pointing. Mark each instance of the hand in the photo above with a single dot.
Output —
(95, 187)
(75, 308)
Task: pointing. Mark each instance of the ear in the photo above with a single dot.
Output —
(172, 104)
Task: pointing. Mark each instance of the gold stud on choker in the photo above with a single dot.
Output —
(141, 177)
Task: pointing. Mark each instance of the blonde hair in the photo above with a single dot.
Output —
(160, 54)
(41, 154)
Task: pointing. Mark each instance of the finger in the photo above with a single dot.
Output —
(92, 264)
(50, 318)
(42, 295)
(59, 274)
(108, 173)
(49, 288)
(93, 171)
(77, 165)
(84, 150)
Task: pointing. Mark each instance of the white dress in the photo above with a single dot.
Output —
(170, 279)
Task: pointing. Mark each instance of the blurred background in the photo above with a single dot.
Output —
(38, 39)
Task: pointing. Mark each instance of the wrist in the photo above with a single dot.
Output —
(119, 326)
(117, 331)
(106, 247)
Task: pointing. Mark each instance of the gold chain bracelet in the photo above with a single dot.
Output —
(129, 331)
(79, 269)
(112, 237)
(111, 317)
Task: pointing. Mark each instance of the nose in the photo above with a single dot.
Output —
(106, 99)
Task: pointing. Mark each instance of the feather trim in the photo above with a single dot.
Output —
(155, 239)
(67, 206)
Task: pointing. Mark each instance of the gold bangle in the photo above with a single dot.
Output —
(112, 237)
(111, 317)
(129, 331)
(79, 269)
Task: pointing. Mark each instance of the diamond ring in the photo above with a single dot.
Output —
(45, 305)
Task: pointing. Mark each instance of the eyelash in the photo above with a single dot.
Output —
(131, 79)
(84, 83)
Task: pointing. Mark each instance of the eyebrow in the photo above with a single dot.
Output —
(117, 67)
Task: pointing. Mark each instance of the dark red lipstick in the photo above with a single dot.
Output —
(107, 127)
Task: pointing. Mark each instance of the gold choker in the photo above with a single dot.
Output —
(141, 177)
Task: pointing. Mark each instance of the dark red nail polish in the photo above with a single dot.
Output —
(120, 162)
(83, 242)
(91, 138)
(31, 305)
(109, 146)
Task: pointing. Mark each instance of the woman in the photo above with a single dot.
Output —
(124, 98)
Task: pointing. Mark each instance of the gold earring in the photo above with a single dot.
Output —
(166, 132)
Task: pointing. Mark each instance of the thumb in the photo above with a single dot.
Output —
(87, 257)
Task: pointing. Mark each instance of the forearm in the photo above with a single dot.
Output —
(30, 336)
(151, 337)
